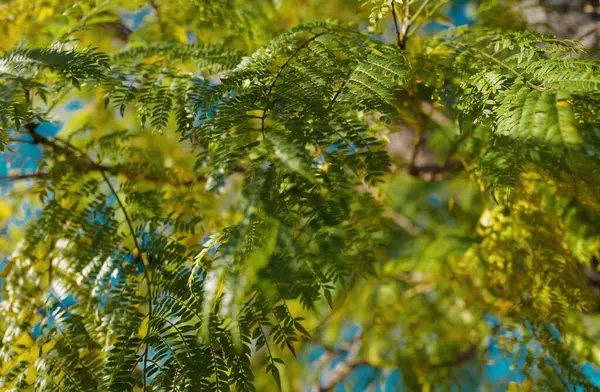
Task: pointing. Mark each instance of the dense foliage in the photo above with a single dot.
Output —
(243, 180)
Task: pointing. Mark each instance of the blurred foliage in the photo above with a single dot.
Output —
(252, 195)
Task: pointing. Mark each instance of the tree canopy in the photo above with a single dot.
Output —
(249, 195)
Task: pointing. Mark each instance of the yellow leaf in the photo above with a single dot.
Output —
(46, 347)
(45, 13)
(143, 330)
(31, 375)
(35, 318)
(78, 120)
(24, 340)
(24, 357)
(39, 252)
(220, 290)
(7, 365)
(42, 266)
(34, 354)
(374, 353)
(181, 34)
(5, 210)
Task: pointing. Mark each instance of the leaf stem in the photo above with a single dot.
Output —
(419, 23)
(508, 67)
(283, 67)
(101, 169)
(416, 15)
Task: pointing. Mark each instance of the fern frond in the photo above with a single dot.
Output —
(75, 66)
(546, 116)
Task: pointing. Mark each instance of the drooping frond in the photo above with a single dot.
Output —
(524, 114)
(20, 74)
(526, 86)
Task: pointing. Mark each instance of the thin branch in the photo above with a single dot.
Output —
(460, 359)
(434, 114)
(260, 327)
(279, 73)
(31, 129)
(594, 29)
(418, 140)
(403, 26)
(419, 23)
(12, 140)
(406, 21)
(454, 149)
(339, 91)
(27, 176)
(398, 37)
(508, 67)
(159, 20)
(80, 25)
(58, 99)
(340, 372)
(68, 148)
(416, 15)
(344, 368)
(301, 231)
(436, 169)
(288, 343)
(141, 255)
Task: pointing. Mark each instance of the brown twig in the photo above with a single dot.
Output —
(343, 369)
(417, 142)
(399, 41)
(159, 20)
(67, 148)
(419, 139)
(26, 176)
(436, 169)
